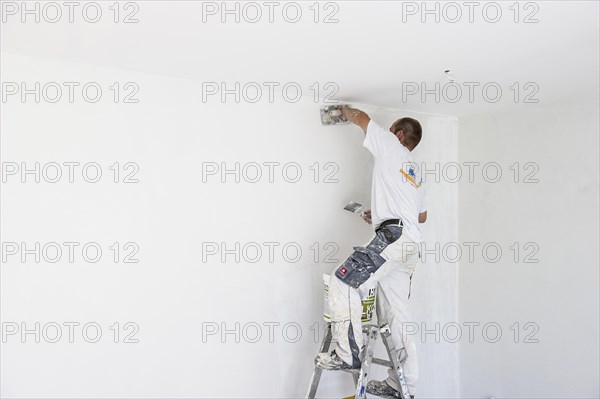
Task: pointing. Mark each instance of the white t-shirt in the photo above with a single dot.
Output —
(397, 190)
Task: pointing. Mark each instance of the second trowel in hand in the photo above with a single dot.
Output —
(355, 207)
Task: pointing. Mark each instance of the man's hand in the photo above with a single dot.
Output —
(367, 216)
(356, 116)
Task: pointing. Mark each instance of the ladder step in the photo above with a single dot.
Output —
(351, 371)
(382, 362)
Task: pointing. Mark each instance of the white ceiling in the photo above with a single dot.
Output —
(369, 53)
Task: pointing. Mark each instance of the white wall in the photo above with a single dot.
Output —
(560, 215)
(171, 292)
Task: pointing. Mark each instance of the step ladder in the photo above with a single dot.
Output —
(371, 331)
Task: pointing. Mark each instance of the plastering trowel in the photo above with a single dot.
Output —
(332, 115)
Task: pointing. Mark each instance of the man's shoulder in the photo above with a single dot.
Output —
(374, 127)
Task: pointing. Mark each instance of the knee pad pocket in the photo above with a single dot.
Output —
(359, 266)
(365, 261)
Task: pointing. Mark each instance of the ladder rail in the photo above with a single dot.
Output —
(361, 382)
(394, 355)
(316, 375)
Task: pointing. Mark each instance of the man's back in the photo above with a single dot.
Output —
(397, 191)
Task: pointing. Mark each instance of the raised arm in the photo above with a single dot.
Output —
(356, 116)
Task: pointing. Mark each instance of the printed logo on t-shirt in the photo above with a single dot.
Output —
(410, 172)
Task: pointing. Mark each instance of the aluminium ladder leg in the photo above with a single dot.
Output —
(394, 355)
(316, 375)
(361, 379)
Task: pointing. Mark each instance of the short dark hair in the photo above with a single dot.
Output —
(412, 131)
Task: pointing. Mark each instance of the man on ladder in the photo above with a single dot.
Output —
(389, 260)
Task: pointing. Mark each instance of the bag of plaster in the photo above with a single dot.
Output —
(367, 293)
